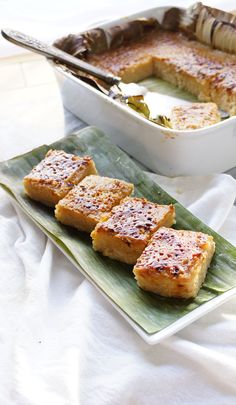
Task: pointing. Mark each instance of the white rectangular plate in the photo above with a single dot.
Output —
(153, 317)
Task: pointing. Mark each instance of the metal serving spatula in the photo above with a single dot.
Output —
(51, 52)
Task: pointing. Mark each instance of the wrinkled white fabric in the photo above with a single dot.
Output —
(63, 343)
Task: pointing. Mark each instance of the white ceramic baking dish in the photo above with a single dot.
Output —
(169, 152)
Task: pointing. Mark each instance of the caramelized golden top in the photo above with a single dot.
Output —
(58, 166)
(186, 55)
(126, 55)
(173, 252)
(135, 218)
(96, 195)
(196, 115)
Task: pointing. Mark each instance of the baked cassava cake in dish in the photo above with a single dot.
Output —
(194, 49)
(175, 263)
(125, 232)
(56, 175)
(95, 196)
(209, 74)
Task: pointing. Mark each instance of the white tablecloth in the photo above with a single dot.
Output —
(60, 342)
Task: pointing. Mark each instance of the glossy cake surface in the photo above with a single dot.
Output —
(207, 73)
(126, 231)
(56, 175)
(175, 263)
(95, 196)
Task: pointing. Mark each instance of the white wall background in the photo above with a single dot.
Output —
(49, 19)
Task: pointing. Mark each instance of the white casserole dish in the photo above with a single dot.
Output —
(169, 152)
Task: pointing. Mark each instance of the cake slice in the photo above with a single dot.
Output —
(175, 263)
(56, 175)
(194, 116)
(125, 232)
(84, 206)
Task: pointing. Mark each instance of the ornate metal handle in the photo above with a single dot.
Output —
(33, 44)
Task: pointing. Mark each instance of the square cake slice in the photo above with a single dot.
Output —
(175, 263)
(126, 231)
(84, 206)
(56, 175)
(194, 116)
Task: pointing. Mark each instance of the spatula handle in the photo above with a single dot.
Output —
(33, 44)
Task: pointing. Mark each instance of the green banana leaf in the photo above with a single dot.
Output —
(163, 87)
(151, 312)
